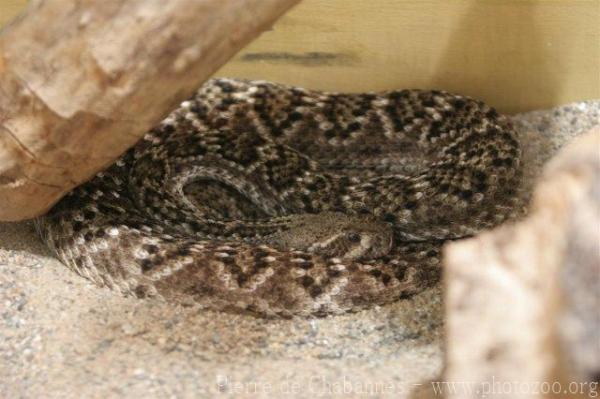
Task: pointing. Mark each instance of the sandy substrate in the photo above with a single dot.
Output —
(62, 337)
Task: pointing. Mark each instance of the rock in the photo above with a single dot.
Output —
(522, 300)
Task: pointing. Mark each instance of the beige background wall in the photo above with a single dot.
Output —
(516, 54)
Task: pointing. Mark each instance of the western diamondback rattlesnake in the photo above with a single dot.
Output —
(281, 201)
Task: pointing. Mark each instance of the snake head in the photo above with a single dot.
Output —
(360, 239)
(336, 235)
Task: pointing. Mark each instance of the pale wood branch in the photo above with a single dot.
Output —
(81, 81)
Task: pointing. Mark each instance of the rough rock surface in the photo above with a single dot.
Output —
(578, 294)
(527, 294)
(63, 337)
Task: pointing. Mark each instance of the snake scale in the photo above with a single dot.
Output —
(259, 197)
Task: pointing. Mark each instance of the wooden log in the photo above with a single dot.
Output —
(81, 81)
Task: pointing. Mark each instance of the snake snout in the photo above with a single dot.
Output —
(368, 241)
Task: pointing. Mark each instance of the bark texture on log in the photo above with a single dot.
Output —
(522, 300)
(81, 81)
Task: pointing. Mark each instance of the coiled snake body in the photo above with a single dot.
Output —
(259, 197)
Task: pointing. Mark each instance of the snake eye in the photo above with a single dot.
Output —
(354, 237)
